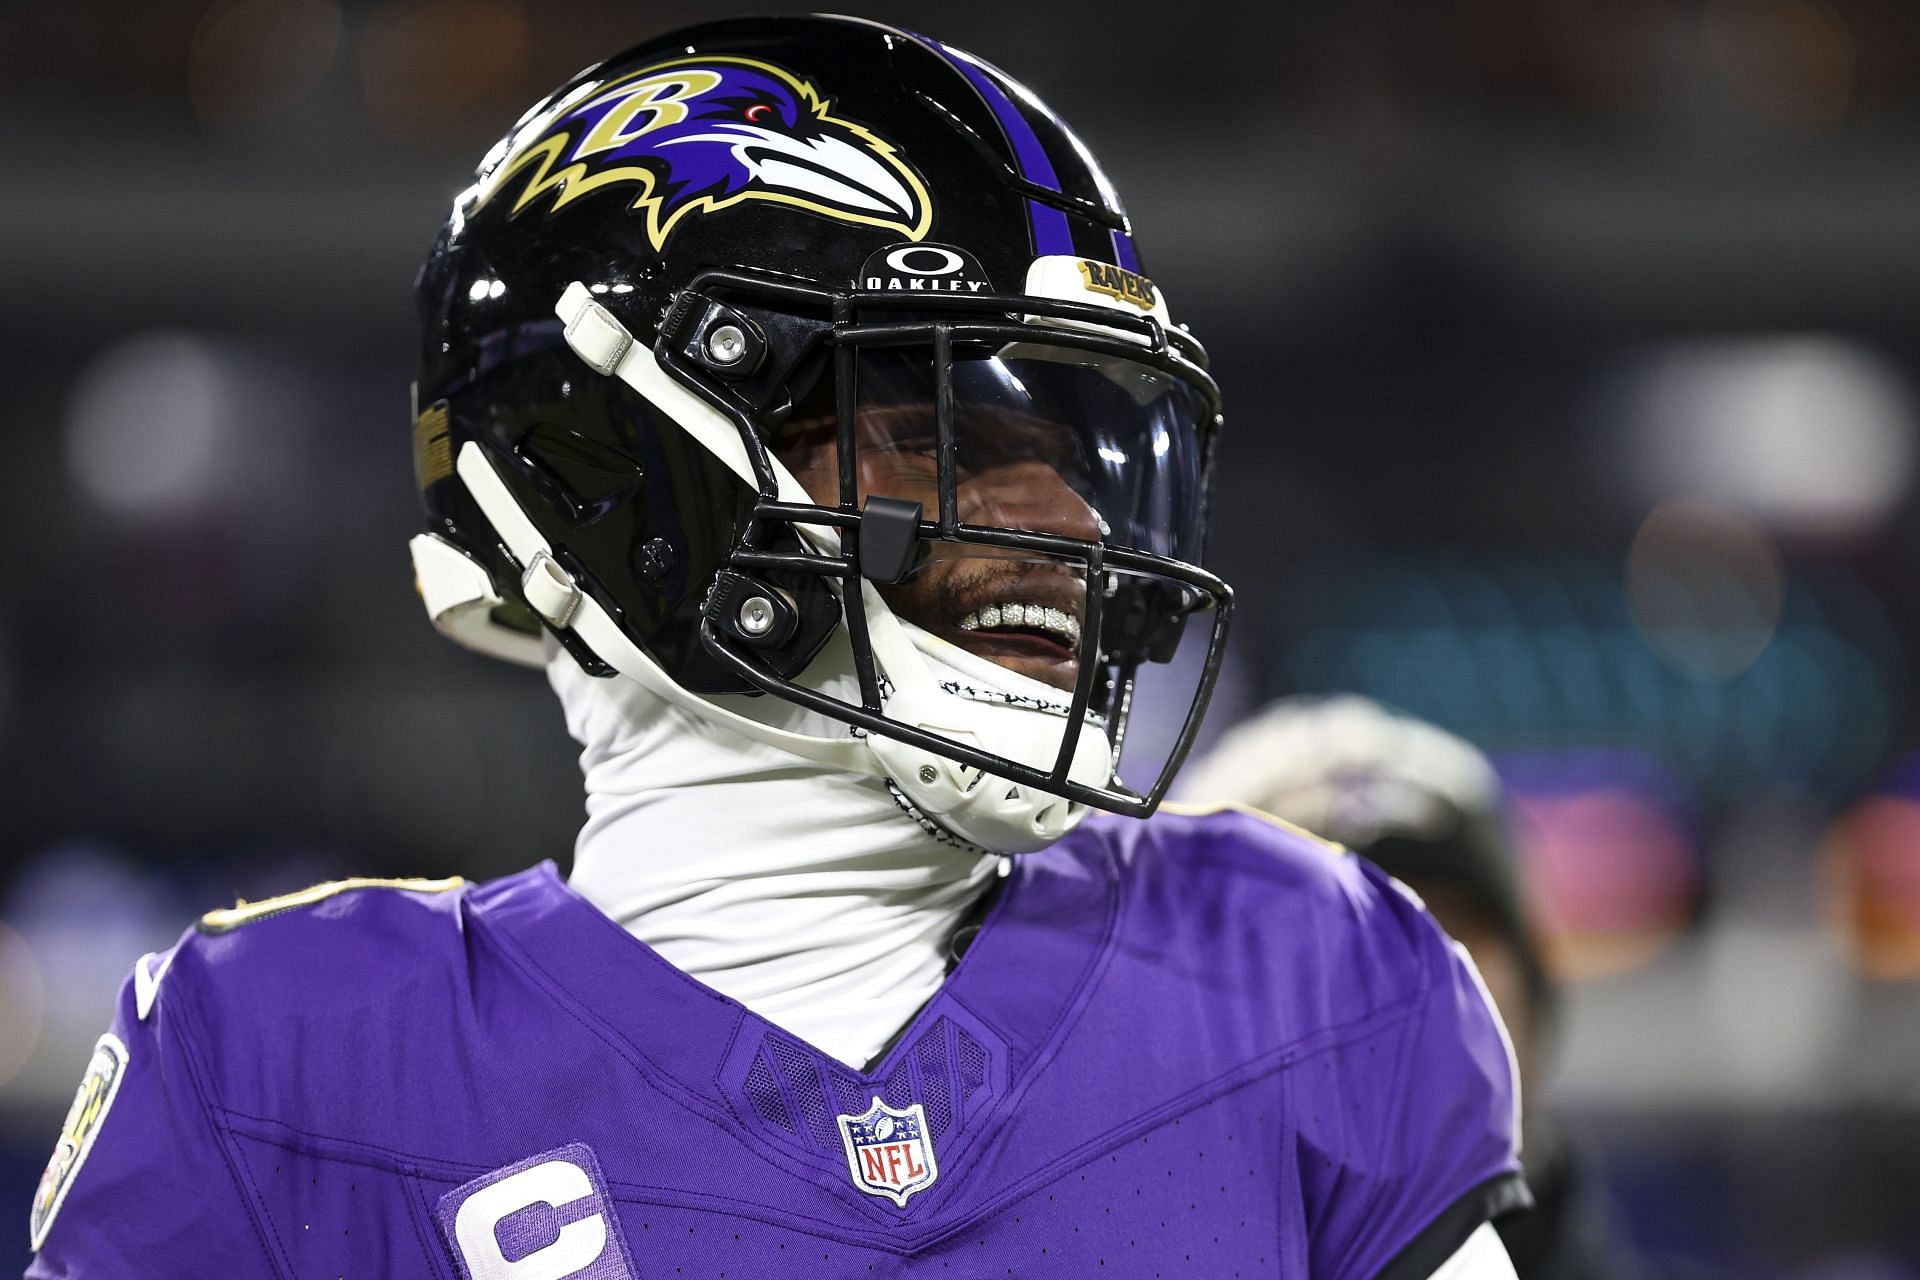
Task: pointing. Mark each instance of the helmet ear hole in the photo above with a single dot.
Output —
(587, 479)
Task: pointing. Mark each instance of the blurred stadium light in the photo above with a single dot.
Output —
(425, 66)
(79, 916)
(253, 60)
(1869, 877)
(1704, 587)
(1812, 435)
(169, 425)
(1790, 60)
(23, 997)
(1609, 857)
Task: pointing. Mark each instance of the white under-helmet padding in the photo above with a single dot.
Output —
(460, 598)
(988, 707)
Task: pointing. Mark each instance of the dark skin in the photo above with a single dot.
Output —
(1015, 483)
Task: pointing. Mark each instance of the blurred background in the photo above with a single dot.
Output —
(1571, 354)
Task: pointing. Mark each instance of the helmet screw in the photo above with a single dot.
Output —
(656, 558)
(927, 773)
(756, 615)
(726, 344)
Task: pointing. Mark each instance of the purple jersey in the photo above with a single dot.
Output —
(1197, 1047)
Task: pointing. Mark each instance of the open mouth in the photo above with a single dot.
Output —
(1020, 617)
(1037, 639)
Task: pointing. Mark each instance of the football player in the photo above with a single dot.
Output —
(793, 392)
(1426, 807)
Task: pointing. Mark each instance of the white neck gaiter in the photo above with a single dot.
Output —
(805, 893)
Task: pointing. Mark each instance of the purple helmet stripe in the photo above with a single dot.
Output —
(1123, 254)
(1050, 231)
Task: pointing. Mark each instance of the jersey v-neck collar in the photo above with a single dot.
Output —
(964, 1058)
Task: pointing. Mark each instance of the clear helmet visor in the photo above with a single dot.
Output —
(1045, 440)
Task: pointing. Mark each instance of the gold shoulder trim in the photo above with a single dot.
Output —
(244, 912)
(1194, 810)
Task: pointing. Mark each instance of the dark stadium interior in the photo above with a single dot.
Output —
(1569, 349)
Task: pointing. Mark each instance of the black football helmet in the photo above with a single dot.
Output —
(811, 357)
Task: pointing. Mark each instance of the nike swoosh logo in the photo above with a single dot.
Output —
(147, 974)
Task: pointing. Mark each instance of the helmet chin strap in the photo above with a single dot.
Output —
(943, 689)
(934, 685)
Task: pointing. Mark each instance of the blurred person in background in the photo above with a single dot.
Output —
(803, 991)
(1425, 807)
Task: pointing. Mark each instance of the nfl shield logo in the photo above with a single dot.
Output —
(889, 1151)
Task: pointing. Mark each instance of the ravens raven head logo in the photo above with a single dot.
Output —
(703, 134)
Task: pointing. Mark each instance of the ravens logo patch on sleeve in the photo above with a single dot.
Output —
(91, 1103)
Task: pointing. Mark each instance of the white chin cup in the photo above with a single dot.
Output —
(990, 811)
